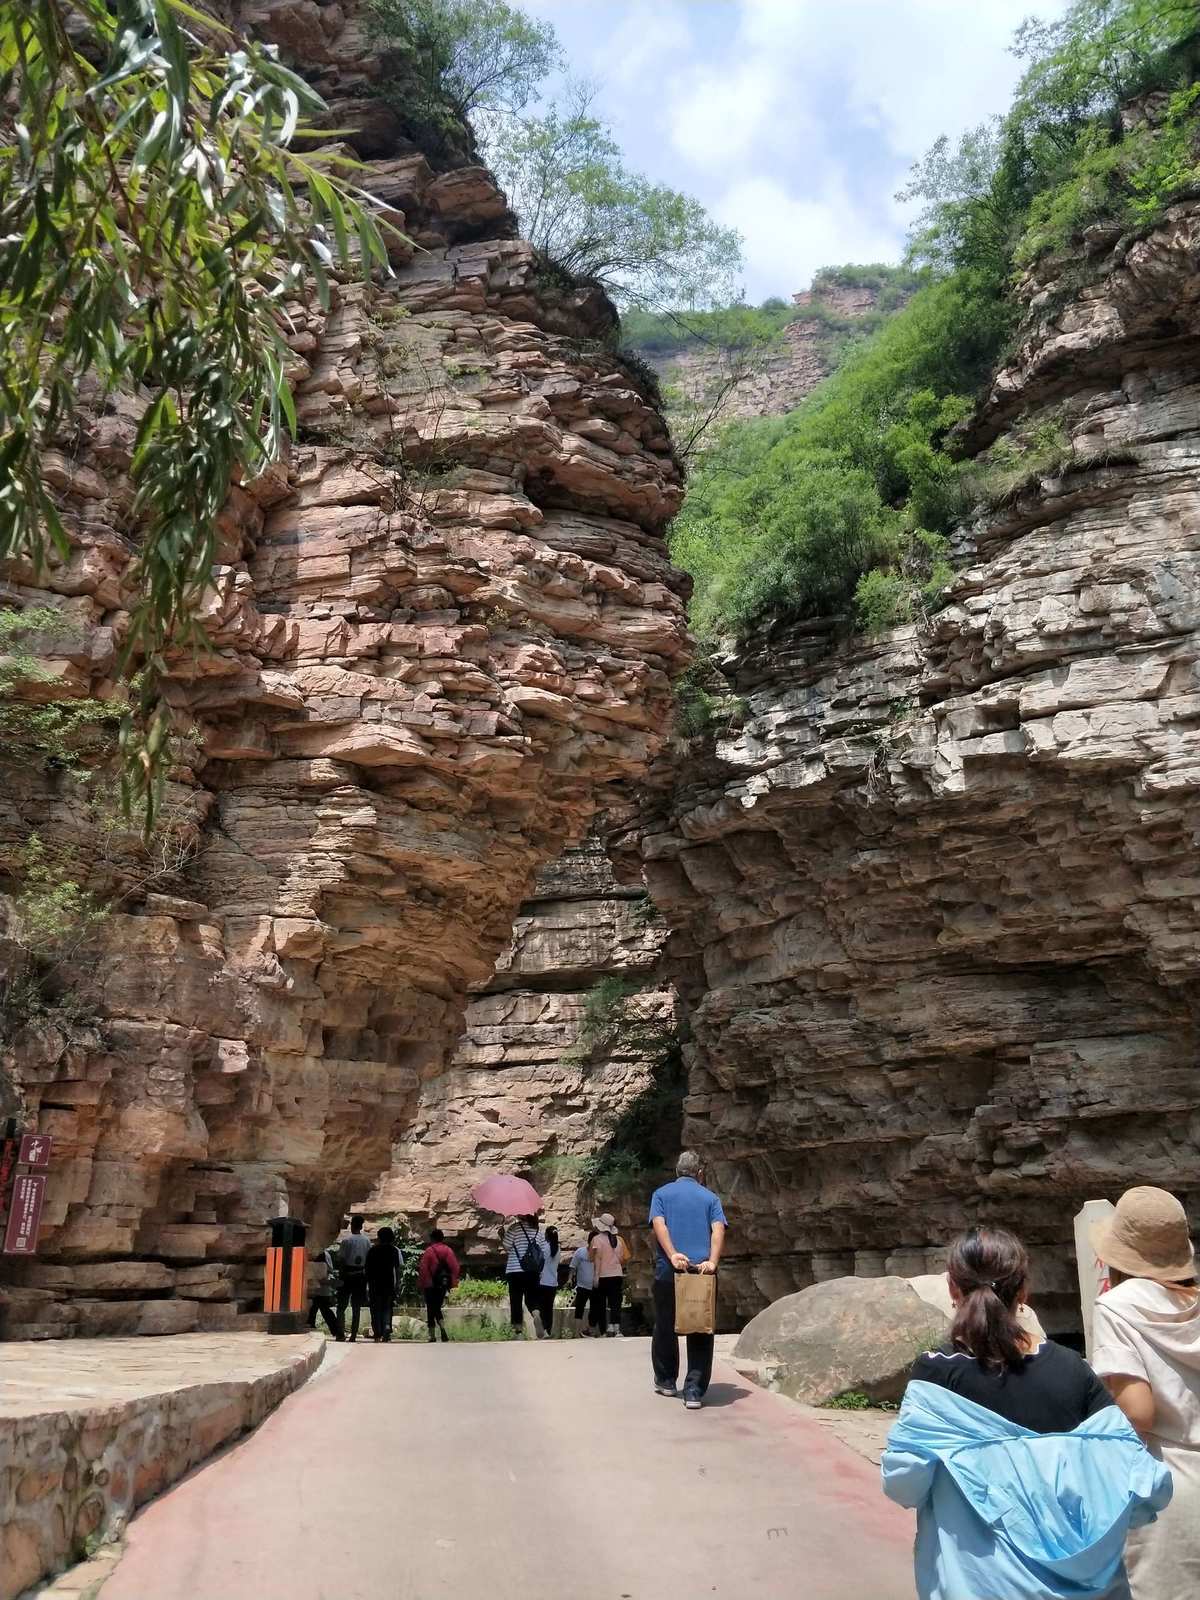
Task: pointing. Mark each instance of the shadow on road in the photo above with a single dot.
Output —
(725, 1394)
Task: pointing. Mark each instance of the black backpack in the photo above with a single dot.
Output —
(533, 1258)
(441, 1279)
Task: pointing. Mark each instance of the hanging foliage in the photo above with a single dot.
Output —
(155, 221)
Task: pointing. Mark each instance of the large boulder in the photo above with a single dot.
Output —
(846, 1334)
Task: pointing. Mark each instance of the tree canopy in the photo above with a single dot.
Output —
(587, 213)
(473, 55)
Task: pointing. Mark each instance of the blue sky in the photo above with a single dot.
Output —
(794, 121)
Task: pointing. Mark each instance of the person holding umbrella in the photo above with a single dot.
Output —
(524, 1259)
(524, 1251)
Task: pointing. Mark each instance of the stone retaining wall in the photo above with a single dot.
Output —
(92, 1429)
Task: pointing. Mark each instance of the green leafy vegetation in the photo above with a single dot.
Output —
(593, 218)
(856, 1400)
(65, 881)
(1102, 129)
(842, 508)
(447, 61)
(470, 1291)
(154, 222)
(785, 515)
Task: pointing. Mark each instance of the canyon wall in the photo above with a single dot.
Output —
(536, 1085)
(934, 901)
(438, 631)
(773, 381)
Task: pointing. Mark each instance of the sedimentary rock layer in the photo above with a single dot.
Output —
(934, 902)
(523, 1092)
(437, 630)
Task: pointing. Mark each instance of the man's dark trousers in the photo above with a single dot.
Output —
(352, 1292)
(664, 1346)
(328, 1310)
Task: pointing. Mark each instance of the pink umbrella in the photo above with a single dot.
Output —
(508, 1196)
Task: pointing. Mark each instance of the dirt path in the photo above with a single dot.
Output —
(511, 1471)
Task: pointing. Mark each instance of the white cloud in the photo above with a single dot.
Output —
(793, 120)
(788, 238)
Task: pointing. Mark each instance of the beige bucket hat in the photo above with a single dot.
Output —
(1146, 1237)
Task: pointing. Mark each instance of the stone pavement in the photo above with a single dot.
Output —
(92, 1428)
(418, 1472)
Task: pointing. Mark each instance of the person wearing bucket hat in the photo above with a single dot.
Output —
(609, 1253)
(1147, 1350)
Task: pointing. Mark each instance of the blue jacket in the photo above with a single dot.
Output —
(1013, 1515)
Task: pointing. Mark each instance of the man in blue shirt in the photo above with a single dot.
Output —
(689, 1228)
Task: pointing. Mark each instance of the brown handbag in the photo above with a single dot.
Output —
(695, 1302)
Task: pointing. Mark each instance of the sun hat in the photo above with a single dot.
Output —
(605, 1222)
(1146, 1236)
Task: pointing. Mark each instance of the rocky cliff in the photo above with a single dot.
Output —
(933, 897)
(767, 382)
(437, 630)
(560, 1071)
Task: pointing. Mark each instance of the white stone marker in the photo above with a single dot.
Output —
(1091, 1271)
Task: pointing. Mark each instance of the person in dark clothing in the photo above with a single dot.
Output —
(384, 1263)
(352, 1276)
(437, 1274)
(991, 1359)
(324, 1293)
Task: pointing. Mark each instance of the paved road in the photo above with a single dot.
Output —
(517, 1471)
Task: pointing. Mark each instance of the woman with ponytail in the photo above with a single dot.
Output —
(1024, 1476)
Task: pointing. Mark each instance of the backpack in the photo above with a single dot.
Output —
(441, 1277)
(532, 1259)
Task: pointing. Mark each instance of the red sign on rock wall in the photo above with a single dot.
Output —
(35, 1149)
(25, 1214)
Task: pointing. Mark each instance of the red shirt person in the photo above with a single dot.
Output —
(437, 1274)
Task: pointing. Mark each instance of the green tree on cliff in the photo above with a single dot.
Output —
(154, 225)
(484, 61)
(472, 55)
(648, 244)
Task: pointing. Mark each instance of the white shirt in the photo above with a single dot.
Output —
(1141, 1330)
(581, 1269)
(549, 1279)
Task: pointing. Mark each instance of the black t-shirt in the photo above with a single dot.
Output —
(1052, 1391)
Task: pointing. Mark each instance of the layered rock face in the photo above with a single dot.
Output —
(935, 905)
(528, 1088)
(438, 631)
(777, 381)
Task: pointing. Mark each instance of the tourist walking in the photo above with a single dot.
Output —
(583, 1281)
(385, 1262)
(524, 1257)
(1024, 1476)
(352, 1275)
(548, 1282)
(689, 1231)
(609, 1253)
(437, 1274)
(323, 1295)
(1146, 1335)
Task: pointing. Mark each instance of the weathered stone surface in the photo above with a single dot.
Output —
(844, 1335)
(520, 1093)
(90, 1433)
(778, 380)
(934, 904)
(438, 630)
